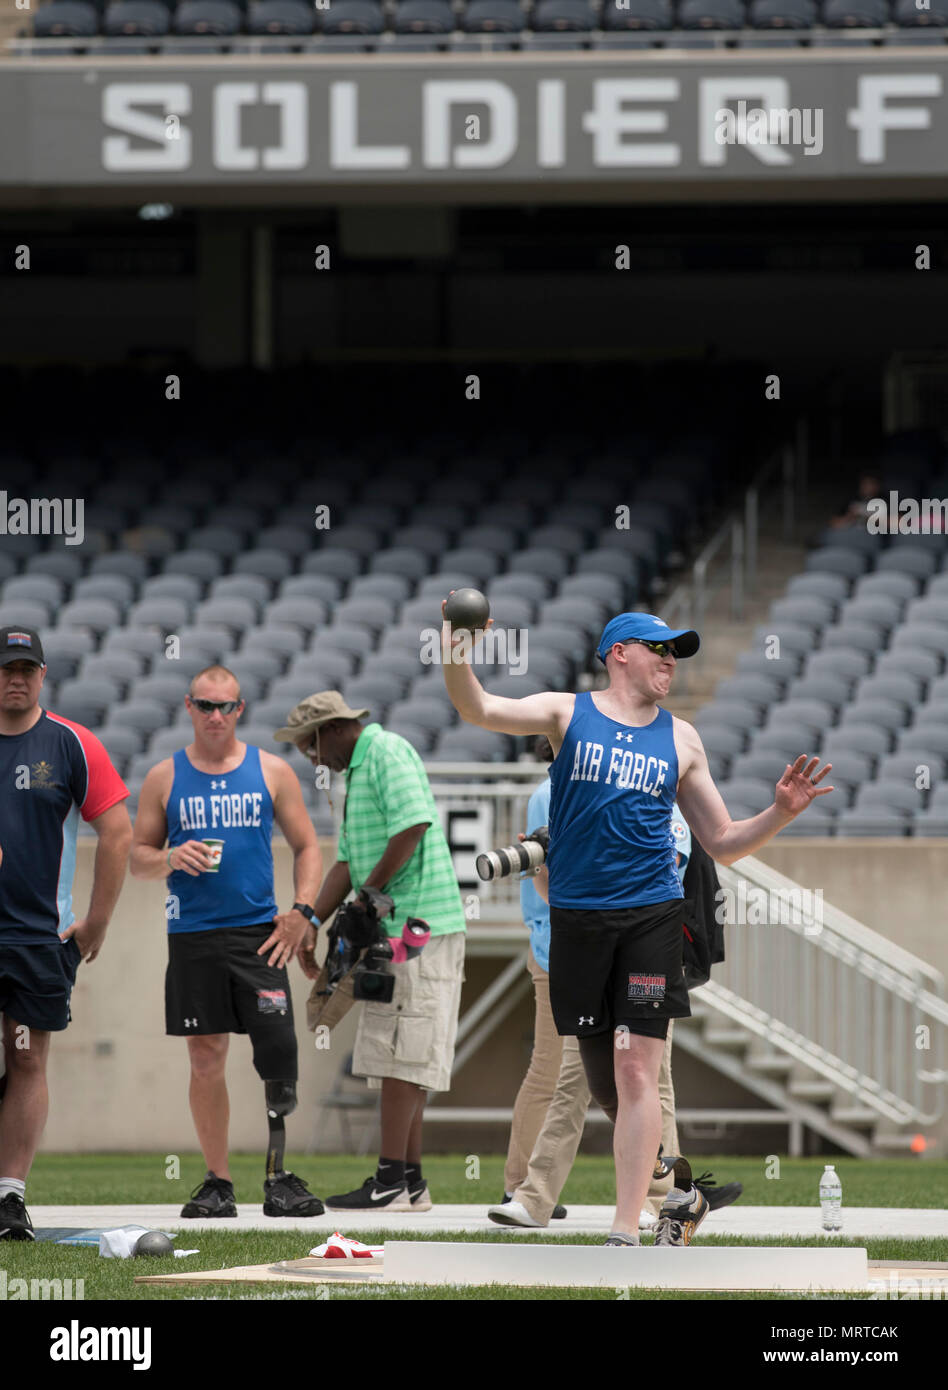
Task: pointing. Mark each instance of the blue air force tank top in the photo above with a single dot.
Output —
(614, 786)
(234, 807)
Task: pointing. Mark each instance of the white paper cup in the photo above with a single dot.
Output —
(217, 849)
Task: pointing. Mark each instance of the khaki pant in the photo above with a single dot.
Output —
(561, 1128)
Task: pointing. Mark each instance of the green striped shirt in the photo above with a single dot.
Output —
(387, 791)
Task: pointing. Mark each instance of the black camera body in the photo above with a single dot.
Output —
(359, 943)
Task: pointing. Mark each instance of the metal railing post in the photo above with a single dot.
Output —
(789, 519)
(737, 571)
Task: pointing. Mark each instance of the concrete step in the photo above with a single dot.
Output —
(858, 1116)
(819, 1092)
(732, 1039)
(770, 1064)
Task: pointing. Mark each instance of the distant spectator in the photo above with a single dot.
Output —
(855, 511)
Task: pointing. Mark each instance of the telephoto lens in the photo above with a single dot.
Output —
(512, 859)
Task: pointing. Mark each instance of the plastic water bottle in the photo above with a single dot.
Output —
(831, 1199)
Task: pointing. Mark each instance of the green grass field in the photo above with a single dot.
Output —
(99, 1179)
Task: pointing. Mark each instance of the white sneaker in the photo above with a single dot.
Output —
(646, 1219)
(513, 1214)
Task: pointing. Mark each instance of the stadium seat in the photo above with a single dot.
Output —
(732, 713)
(833, 690)
(722, 740)
(426, 713)
(280, 17)
(850, 768)
(812, 716)
(759, 662)
(782, 740)
(876, 610)
(169, 614)
(267, 563)
(321, 587)
(901, 560)
(843, 663)
(648, 15)
(838, 560)
(924, 666)
(353, 17)
(179, 586)
(308, 615)
(882, 713)
(929, 608)
(758, 690)
(326, 668)
(710, 14)
(871, 823)
(139, 18)
(791, 637)
(586, 614)
(250, 587)
(400, 560)
(234, 613)
(602, 587)
(44, 589)
(781, 14)
(469, 744)
(66, 19)
(860, 637)
(423, 17)
(122, 668)
(926, 637)
(832, 587)
(68, 568)
(220, 540)
(202, 565)
(492, 17)
(219, 18)
(862, 14)
(902, 689)
(342, 565)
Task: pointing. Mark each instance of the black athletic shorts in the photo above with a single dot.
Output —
(216, 983)
(36, 982)
(612, 968)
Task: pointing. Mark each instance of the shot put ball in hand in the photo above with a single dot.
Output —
(467, 610)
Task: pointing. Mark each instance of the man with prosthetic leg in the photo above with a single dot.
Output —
(616, 972)
(205, 820)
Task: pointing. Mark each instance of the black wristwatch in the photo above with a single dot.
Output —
(307, 912)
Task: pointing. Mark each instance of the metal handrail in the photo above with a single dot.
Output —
(833, 995)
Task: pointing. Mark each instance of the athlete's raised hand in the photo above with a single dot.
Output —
(799, 785)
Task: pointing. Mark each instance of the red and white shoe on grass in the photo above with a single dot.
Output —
(340, 1247)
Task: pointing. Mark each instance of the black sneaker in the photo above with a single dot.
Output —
(718, 1196)
(419, 1196)
(15, 1223)
(288, 1195)
(372, 1195)
(213, 1197)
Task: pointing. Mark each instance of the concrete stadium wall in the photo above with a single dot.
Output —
(118, 1083)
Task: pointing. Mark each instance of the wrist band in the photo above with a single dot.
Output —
(170, 853)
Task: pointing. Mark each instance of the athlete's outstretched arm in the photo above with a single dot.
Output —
(703, 807)
(290, 814)
(548, 713)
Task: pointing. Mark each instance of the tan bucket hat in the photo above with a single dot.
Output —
(313, 712)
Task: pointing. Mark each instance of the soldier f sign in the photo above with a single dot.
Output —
(386, 124)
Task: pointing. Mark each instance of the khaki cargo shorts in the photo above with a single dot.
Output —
(413, 1037)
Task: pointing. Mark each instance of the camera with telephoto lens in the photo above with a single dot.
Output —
(359, 943)
(527, 856)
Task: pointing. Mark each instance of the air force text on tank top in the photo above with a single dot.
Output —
(614, 787)
(234, 807)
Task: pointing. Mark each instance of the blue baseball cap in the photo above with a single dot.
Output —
(647, 628)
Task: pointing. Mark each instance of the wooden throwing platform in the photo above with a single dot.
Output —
(312, 1269)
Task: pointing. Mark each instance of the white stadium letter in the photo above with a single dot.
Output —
(872, 117)
(607, 122)
(551, 142)
(119, 103)
(438, 98)
(713, 95)
(345, 152)
(230, 98)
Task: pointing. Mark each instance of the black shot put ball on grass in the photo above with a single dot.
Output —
(153, 1243)
(467, 610)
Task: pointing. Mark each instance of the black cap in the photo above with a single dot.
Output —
(20, 644)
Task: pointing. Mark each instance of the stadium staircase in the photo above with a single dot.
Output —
(828, 1022)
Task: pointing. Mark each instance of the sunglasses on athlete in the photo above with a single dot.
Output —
(209, 706)
(659, 648)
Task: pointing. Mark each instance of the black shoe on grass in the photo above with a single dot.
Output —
(372, 1196)
(213, 1197)
(718, 1196)
(15, 1223)
(288, 1195)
